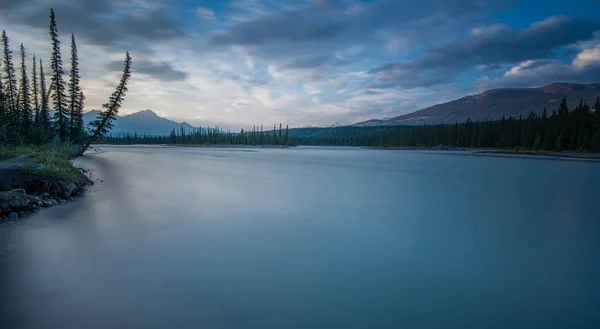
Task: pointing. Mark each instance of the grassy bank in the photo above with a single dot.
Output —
(54, 163)
(33, 177)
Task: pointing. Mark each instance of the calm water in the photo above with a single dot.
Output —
(310, 238)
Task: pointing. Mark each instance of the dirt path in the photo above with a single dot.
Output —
(16, 162)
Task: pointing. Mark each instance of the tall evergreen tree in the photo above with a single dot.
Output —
(3, 119)
(103, 122)
(74, 91)
(78, 126)
(57, 84)
(10, 80)
(24, 96)
(44, 116)
(36, 90)
(563, 108)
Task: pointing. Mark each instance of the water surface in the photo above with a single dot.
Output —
(310, 238)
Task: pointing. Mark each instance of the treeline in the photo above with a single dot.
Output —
(562, 130)
(26, 98)
(209, 136)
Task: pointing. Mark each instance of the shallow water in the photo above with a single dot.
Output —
(310, 238)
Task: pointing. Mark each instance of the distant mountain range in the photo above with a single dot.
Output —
(142, 122)
(495, 103)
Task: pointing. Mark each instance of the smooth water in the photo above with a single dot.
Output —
(310, 238)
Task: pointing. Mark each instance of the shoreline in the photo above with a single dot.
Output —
(38, 180)
(594, 157)
(235, 146)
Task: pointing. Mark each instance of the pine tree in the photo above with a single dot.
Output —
(75, 94)
(10, 80)
(24, 97)
(563, 108)
(537, 145)
(545, 114)
(559, 145)
(3, 119)
(57, 84)
(36, 99)
(44, 116)
(103, 122)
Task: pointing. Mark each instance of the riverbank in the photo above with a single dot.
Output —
(498, 152)
(38, 177)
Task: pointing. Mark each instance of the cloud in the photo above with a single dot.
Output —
(584, 68)
(157, 70)
(492, 45)
(205, 14)
(116, 24)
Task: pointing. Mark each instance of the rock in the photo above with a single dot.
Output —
(49, 203)
(13, 216)
(19, 204)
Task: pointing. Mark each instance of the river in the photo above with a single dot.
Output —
(310, 238)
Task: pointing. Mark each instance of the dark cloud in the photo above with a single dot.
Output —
(330, 26)
(158, 70)
(99, 22)
(489, 47)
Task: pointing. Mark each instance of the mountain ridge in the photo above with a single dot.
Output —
(493, 104)
(141, 122)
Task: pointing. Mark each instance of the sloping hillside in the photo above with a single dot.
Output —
(495, 103)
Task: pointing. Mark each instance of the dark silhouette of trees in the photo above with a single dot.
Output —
(36, 90)
(24, 97)
(57, 84)
(18, 102)
(10, 108)
(75, 97)
(44, 126)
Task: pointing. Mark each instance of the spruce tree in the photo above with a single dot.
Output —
(57, 84)
(36, 90)
(537, 144)
(78, 126)
(3, 119)
(559, 145)
(563, 108)
(24, 97)
(103, 123)
(10, 80)
(44, 116)
(74, 91)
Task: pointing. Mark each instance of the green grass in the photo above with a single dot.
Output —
(11, 152)
(53, 163)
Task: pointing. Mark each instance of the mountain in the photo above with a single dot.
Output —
(495, 103)
(142, 122)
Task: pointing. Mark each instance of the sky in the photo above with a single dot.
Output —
(240, 63)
